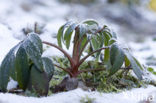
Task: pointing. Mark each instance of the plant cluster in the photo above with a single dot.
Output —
(25, 64)
(98, 80)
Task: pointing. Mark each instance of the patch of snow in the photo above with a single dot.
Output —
(12, 84)
(54, 25)
(144, 50)
(7, 41)
(74, 96)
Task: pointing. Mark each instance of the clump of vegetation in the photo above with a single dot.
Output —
(98, 80)
(25, 64)
(116, 83)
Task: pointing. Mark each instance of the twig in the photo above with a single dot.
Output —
(66, 70)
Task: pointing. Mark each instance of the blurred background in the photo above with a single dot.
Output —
(127, 17)
(133, 20)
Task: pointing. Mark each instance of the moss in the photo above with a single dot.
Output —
(115, 83)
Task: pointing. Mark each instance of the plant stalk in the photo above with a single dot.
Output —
(63, 51)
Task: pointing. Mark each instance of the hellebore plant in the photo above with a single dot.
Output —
(89, 34)
(25, 64)
(82, 35)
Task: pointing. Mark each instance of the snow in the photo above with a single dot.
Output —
(14, 18)
(74, 96)
(144, 50)
(7, 41)
(12, 84)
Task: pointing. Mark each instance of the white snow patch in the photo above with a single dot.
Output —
(7, 41)
(12, 84)
(74, 96)
(142, 51)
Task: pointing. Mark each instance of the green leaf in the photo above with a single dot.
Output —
(106, 38)
(36, 41)
(106, 55)
(97, 42)
(135, 66)
(83, 42)
(111, 41)
(48, 67)
(22, 68)
(82, 30)
(8, 68)
(116, 58)
(138, 63)
(68, 34)
(100, 39)
(33, 52)
(91, 22)
(60, 33)
(39, 81)
(94, 43)
(108, 32)
(127, 62)
(106, 43)
(59, 36)
(113, 53)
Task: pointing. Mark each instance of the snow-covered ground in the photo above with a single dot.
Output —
(74, 96)
(17, 14)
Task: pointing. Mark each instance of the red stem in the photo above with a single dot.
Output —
(66, 70)
(64, 52)
(76, 44)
